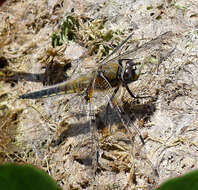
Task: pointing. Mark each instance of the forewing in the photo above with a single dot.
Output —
(141, 52)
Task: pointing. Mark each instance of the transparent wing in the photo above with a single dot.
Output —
(55, 112)
(139, 53)
(101, 98)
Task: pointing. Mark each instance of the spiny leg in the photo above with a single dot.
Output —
(131, 94)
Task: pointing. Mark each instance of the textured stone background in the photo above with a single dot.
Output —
(169, 123)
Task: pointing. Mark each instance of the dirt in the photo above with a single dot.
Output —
(54, 133)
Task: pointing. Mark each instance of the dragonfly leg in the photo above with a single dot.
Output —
(131, 94)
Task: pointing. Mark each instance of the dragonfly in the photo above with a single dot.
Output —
(111, 73)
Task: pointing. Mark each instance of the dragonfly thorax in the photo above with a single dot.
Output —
(128, 71)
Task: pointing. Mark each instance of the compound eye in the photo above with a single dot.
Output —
(129, 70)
(128, 74)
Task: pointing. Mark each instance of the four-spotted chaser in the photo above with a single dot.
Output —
(113, 73)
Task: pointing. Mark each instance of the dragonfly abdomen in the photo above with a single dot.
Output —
(41, 93)
(73, 86)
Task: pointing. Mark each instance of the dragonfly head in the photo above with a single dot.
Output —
(129, 71)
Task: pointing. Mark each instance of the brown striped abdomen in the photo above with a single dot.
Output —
(69, 87)
(79, 84)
